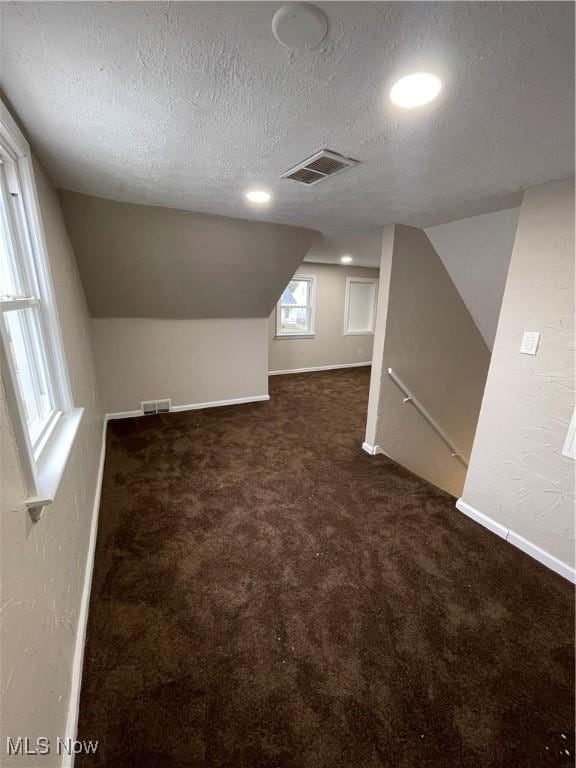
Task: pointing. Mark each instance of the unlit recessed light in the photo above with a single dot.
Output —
(346, 259)
(258, 196)
(415, 90)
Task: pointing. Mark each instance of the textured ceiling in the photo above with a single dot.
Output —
(187, 104)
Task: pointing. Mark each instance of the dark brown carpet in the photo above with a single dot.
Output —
(266, 595)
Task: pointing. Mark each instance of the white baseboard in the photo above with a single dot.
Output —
(559, 567)
(479, 517)
(219, 403)
(376, 450)
(78, 659)
(563, 569)
(123, 415)
(192, 406)
(373, 450)
(319, 368)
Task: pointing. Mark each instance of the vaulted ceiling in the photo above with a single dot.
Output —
(147, 261)
(188, 104)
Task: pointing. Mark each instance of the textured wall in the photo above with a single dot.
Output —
(189, 361)
(476, 252)
(145, 261)
(432, 343)
(329, 345)
(43, 564)
(517, 473)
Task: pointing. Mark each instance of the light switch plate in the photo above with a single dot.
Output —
(530, 341)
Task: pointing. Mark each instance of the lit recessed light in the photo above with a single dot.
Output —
(415, 90)
(346, 259)
(258, 196)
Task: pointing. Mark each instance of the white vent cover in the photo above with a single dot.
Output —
(150, 407)
(319, 167)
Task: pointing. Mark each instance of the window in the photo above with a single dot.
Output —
(360, 306)
(34, 375)
(295, 311)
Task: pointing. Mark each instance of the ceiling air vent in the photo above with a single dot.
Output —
(319, 167)
(150, 407)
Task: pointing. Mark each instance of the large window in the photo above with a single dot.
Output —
(360, 306)
(33, 371)
(295, 311)
(22, 311)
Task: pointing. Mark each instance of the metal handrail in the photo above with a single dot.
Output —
(410, 398)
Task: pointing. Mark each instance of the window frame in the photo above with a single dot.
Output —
(310, 307)
(41, 463)
(352, 279)
(569, 447)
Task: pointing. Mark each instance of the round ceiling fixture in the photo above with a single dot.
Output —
(258, 196)
(346, 259)
(415, 90)
(299, 25)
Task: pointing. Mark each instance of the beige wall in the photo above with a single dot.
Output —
(362, 244)
(43, 564)
(518, 475)
(476, 252)
(430, 340)
(149, 261)
(329, 345)
(387, 250)
(189, 361)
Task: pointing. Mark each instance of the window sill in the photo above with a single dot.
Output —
(295, 336)
(53, 460)
(358, 333)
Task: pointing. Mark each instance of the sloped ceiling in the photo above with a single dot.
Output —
(145, 261)
(476, 252)
(365, 247)
(187, 104)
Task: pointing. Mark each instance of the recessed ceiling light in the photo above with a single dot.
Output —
(415, 90)
(258, 196)
(346, 259)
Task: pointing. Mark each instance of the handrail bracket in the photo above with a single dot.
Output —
(410, 398)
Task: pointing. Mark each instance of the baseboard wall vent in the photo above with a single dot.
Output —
(151, 407)
(178, 408)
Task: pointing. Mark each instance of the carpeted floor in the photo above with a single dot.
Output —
(266, 595)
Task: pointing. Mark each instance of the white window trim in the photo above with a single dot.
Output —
(569, 447)
(352, 279)
(41, 471)
(311, 306)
